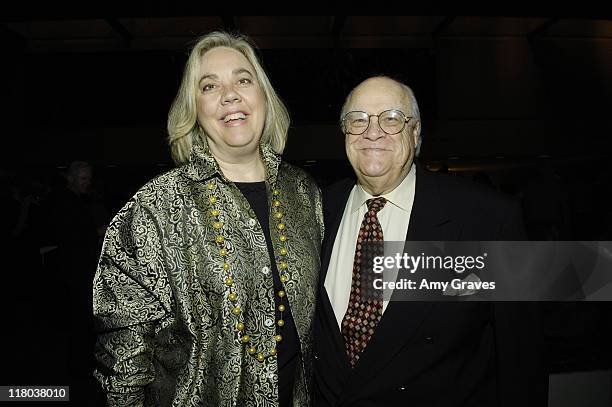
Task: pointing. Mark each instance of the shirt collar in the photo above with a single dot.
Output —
(399, 197)
(203, 166)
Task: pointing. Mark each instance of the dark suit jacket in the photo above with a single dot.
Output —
(435, 354)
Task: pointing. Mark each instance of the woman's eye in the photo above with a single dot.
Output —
(208, 87)
(245, 81)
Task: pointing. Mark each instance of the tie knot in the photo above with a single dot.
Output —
(376, 204)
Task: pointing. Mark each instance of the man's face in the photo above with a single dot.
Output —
(81, 180)
(375, 156)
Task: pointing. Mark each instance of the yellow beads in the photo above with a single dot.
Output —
(282, 265)
(232, 296)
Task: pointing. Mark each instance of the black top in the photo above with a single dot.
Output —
(289, 348)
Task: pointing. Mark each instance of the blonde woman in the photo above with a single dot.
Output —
(205, 289)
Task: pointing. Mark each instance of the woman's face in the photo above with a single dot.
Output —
(230, 103)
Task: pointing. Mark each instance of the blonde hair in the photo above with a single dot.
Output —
(183, 127)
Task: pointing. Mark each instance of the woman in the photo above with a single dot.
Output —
(205, 287)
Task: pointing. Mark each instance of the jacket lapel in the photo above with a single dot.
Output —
(430, 218)
(334, 204)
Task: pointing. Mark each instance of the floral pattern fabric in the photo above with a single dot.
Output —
(167, 333)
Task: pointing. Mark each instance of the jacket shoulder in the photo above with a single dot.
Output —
(339, 188)
(467, 194)
(335, 196)
(162, 188)
(296, 174)
(485, 209)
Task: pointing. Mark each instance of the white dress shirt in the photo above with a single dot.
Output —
(393, 218)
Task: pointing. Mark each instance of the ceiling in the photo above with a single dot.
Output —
(133, 33)
(486, 84)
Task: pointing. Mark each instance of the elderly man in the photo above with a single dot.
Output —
(395, 353)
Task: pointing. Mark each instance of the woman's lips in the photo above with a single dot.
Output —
(235, 123)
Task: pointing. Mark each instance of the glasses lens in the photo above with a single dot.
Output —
(356, 122)
(392, 121)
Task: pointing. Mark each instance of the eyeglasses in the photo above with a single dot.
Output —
(390, 121)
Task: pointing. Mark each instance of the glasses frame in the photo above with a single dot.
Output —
(345, 128)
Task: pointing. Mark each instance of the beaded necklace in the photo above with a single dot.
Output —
(283, 268)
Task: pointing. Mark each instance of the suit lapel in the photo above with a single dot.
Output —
(429, 220)
(334, 204)
(331, 231)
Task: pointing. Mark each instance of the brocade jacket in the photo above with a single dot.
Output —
(167, 333)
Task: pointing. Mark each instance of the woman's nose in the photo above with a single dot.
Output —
(230, 95)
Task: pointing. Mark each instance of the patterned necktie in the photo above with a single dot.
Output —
(365, 304)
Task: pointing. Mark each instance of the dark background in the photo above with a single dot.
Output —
(520, 103)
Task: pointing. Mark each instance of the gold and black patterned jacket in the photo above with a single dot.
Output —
(167, 332)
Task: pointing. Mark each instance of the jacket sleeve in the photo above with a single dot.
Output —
(132, 302)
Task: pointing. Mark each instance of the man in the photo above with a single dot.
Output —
(78, 220)
(413, 353)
